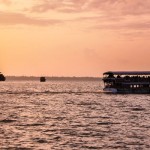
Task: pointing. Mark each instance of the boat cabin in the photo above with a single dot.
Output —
(127, 81)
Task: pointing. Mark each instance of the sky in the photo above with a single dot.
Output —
(74, 37)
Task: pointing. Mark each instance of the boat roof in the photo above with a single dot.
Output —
(127, 73)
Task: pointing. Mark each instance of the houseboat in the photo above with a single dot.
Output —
(127, 82)
(2, 77)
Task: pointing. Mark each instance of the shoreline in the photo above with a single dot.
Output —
(48, 78)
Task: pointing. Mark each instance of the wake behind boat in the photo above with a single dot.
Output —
(127, 82)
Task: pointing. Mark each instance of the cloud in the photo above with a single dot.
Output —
(122, 26)
(6, 2)
(66, 6)
(17, 18)
(107, 14)
(101, 14)
(118, 7)
(46, 5)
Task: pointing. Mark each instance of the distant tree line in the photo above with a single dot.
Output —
(53, 78)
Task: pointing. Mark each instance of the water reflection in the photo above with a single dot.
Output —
(71, 115)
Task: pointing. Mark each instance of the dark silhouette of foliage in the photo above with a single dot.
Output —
(2, 77)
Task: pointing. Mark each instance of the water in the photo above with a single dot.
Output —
(71, 115)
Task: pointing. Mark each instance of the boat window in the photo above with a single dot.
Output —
(141, 86)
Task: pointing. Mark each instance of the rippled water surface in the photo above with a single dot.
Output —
(71, 115)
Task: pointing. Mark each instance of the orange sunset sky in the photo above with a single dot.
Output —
(73, 37)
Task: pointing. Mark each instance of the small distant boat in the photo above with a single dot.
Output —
(42, 79)
(127, 82)
(2, 77)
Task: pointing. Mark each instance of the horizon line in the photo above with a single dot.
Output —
(29, 76)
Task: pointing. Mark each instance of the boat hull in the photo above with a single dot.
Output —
(110, 90)
(127, 91)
